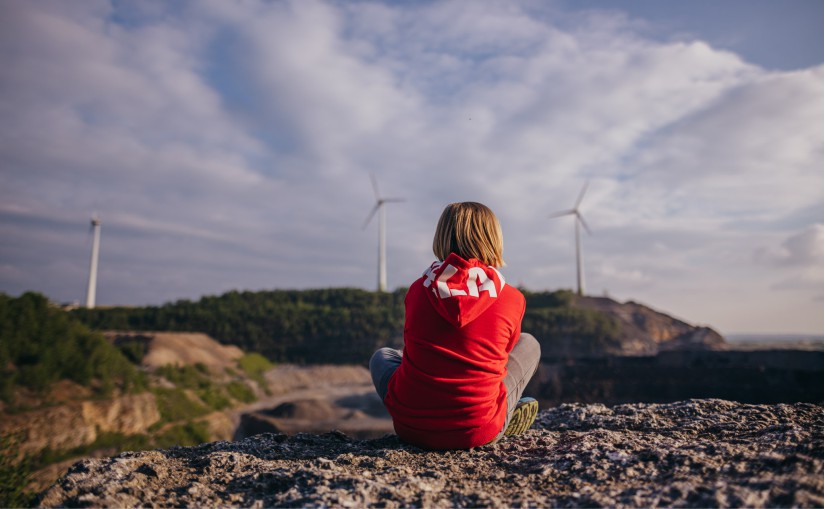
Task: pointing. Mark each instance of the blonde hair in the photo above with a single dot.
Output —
(470, 230)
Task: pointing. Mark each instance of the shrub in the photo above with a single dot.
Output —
(254, 364)
(14, 475)
(191, 433)
(174, 405)
(240, 392)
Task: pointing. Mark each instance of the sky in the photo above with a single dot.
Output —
(229, 145)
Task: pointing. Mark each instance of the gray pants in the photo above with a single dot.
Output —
(521, 366)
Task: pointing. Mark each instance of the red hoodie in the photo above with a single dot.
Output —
(462, 321)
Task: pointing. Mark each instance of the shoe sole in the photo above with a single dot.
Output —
(523, 417)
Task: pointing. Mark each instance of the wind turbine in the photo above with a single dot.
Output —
(92, 288)
(382, 248)
(578, 221)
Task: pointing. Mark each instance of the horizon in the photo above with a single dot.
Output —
(733, 336)
(230, 147)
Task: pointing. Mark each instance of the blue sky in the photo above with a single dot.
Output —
(228, 145)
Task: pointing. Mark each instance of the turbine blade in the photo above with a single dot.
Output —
(580, 218)
(581, 195)
(393, 200)
(372, 213)
(375, 187)
(562, 213)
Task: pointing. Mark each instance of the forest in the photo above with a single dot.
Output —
(337, 325)
(41, 344)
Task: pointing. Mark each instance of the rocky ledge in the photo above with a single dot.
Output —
(701, 453)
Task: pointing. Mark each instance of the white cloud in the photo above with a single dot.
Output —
(796, 264)
(803, 249)
(228, 146)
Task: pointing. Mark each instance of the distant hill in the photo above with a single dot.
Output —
(345, 325)
(643, 330)
(570, 326)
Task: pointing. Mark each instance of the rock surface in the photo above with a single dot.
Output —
(701, 453)
(80, 422)
(645, 331)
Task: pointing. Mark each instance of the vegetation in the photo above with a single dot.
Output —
(14, 475)
(174, 404)
(342, 326)
(255, 365)
(197, 379)
(241, 392)
(133, 348)
(110, 441)
(566, 330)
(187, 433)
(336, 325)
(41, 344)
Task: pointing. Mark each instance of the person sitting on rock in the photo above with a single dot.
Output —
(459, 380)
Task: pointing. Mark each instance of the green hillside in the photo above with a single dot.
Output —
(337, 325)
(41, 344)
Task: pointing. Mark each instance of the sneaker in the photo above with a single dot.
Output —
(523, 417)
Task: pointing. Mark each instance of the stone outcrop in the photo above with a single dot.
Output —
(700, 453)
(78, 423)
(644, 331)
(129, 414)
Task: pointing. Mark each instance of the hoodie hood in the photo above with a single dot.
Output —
(461, 290)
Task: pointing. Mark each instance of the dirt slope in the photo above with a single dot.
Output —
(181, 348)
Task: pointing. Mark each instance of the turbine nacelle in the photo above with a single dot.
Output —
(576, 213)
(379, 202)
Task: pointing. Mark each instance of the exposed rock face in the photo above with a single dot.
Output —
(646, 331)
(695, 453)
(78, 423)
(127, 414)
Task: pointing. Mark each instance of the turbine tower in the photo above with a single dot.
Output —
(92, 288)
(382, 247)
(579, 220)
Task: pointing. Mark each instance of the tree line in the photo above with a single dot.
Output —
(340, 325)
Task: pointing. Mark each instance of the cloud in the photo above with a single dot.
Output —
(803, 249)
(229, 146)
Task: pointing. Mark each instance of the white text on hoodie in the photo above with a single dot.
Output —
(475, 276)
